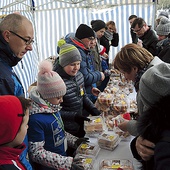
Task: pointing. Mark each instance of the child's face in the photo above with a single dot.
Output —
(56, 100)
(22, 131)
(72, 68)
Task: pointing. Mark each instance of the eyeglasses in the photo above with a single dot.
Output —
(136, 31)
(91, 38)
(27, 42)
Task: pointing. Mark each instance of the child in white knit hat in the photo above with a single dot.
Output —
(47, 137)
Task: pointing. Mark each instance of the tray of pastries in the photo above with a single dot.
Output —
(108, 140)
(88, 149)
(116, 164)
(94, 126)
(84, 161)
(105, 98)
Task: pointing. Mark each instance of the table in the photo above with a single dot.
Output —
(122, 151)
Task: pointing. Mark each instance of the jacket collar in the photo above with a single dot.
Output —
(8, 153)
(6, 54)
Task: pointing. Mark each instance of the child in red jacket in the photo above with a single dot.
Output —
(14, 115)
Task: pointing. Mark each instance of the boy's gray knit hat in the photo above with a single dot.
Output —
(154, 84)
(164, 26)
(68, 53)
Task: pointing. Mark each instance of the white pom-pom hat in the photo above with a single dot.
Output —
(49, 83)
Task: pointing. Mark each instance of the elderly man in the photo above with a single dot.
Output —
(82, 40)
(16, 38)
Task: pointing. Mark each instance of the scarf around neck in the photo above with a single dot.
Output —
(108, 35)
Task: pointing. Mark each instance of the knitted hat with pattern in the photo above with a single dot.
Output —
(10, 118)
(49, 83)
(68, 53)
(164, 26)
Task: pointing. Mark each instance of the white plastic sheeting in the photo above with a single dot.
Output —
(53, 19)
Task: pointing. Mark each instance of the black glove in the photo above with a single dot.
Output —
(80, 119)
(95, 112)
(76, 165)
(81, 140)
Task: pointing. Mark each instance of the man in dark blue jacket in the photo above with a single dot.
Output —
(16, 38)
(82, 39)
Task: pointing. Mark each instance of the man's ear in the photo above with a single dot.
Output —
(6, 35)
(135, 69)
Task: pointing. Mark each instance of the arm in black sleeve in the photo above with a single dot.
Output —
(134, 150)
(115, 40)
(90, 107)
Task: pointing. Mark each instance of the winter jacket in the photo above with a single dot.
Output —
(9, 158)
(9, 82)
(87, 68)
(154, 126)
(47, 136)
(106, 43)
(75, 101)
(149, 41)
(133, 36)
(131, 125)
(163, 49)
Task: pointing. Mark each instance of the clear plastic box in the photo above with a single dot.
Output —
(120, 105)
(88, 149)
(94, 126)
(108, 140)
(114, 164)
(85, 161)
(105, 98)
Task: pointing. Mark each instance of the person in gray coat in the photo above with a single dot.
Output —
(153, 123)
(133, 60)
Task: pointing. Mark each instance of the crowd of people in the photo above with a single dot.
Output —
(46, 129)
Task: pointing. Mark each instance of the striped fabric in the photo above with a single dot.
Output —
(54, 19)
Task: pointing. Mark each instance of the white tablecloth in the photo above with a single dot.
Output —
(122, 151)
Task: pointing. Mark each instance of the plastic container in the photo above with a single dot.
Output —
(108, 140)
(90, 149)
(115, 164)
(94, 126)
(85, 161)
(120, 105)
(105, 98)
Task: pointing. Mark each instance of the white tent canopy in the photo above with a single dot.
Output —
(53, 19)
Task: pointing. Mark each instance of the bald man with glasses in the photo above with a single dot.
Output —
(16, 39)
(146, 34)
